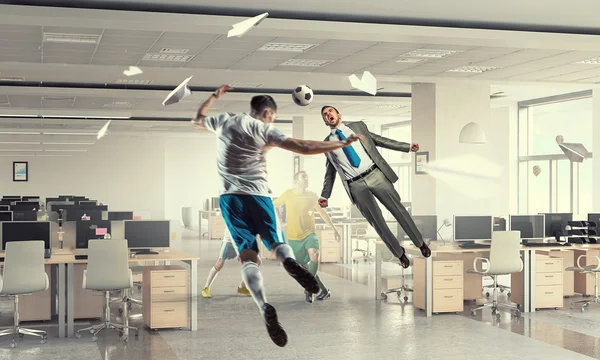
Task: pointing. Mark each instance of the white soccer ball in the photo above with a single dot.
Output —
(302, 95)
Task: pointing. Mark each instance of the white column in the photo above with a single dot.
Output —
(596, 150)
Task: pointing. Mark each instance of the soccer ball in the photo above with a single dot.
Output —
(302, 95)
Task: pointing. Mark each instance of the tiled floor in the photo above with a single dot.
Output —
(350, 325)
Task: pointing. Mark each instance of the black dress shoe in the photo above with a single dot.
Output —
(404, 261)
(425, 250)
(325, 293)
(309, 297)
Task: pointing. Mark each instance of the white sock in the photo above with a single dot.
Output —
(254, 283)
(212, 275)
(283, 252)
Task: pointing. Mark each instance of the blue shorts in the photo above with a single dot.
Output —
(247, 216)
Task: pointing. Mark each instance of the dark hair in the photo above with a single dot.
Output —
(261, 102)
(297, 175)
(326, 106)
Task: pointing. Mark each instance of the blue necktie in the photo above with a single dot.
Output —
(351, 154)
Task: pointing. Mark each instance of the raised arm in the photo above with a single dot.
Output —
(327, 182)
(198, 120)
(328, 220)
(390, 143)
(311, 147)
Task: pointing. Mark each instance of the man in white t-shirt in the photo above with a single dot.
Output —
(246, 199)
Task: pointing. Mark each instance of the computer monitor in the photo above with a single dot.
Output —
(147, 234)
(530, 226)
(30, 198)
(14, 197)
(471, 228)
(120, 215)
(499, 223)
(6, 202)
(595, 218)
(6, 216)
(88, 202)
(426, 224)
(4, 207)
(555, 224)
(24, 215)
(215, 203)
(26, 205)
(87, 230)
(26, 231)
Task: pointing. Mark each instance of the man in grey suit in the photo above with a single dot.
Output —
(366, 176)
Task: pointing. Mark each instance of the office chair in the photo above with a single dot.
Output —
(403, 289)
(107, 270)
(505, 259)
(359, 253)
(24, 274)
(592, 270)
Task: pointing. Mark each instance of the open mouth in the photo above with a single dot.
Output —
(331, 118)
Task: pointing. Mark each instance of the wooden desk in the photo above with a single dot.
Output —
(167, 256)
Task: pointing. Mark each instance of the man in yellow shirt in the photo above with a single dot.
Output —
(300, 205)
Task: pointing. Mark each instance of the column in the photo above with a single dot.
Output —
(596, 150)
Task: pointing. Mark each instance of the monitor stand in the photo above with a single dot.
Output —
(145, 252)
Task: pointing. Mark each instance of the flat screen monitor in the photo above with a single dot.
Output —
(88, 202)
(26, 205)
(63, 197)
(530, 226)
(27, 215)
(4, 207)
(596, 219)
(120, 215)
(30, 198)
(6, 202)
(555, 224)
(90, 230)
(11, 197)
(6, 216)
(147, 234)
(499, 224)
(426, 224)
(26, 231)
(470, 228)
(215, 203)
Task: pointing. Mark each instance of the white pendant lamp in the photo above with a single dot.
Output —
(471, 134)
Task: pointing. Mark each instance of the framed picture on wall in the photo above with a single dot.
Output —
(421, 158)
(20, 171)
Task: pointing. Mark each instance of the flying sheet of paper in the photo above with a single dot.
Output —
(132, 71)
(103, 131)
(241, 28)
(368, 83)
(179, 93)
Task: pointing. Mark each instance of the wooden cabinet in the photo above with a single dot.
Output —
(568, 276)
(548, 283)
(473, 283)
(331, 250)
(37, 306)
(165, 297)
(448, 279)
(217, 227)
(88, 304)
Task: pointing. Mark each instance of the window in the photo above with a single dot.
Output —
(548, 181)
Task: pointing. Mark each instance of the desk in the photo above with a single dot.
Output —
(529, 255)
(347, 238)
(171, 255)
(216, 224)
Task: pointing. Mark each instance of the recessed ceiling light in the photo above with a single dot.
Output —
(15, 115)
(53, 155)
(168, 57)
(134, 82)
(472, 69)
(173, 51)
(58, 98)
(65, 150)
(67, 143)
(72, 38)
(592, 61)
(19, 143)
(409, 60)
(286, 47)
(119, 105)
(18, 150)
(430, 53)
(244, 85)
(18, 133)
(66, 133)
(12, 78)
(390, 106)
(306, 62)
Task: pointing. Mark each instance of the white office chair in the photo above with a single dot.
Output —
(505, 259)
(24, 274)
(591, 270)
(359, 253)
(403, 289)
(107, 270)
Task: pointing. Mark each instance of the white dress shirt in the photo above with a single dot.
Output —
(341, 158)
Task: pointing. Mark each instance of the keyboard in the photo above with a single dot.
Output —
(546, 244)
(474, 246)
(81, 257)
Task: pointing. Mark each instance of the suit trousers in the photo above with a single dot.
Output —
(376, 185)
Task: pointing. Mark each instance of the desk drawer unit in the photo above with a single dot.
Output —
(217, 227)
(165, 297)
(548, 282)
(448, 285)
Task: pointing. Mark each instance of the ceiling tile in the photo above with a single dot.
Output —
(250, 64)
(570, 73)
(90, 102)
(108, 40)
(189, 36)
(6, 45)
(20, 28)
(20, 36)
(72, 30)
(520, 57)
(66, 60)
(112, 33)
(115, 61)
(164, 64)
(122, 49)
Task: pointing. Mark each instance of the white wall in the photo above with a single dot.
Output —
(127, 173)
(596, 145)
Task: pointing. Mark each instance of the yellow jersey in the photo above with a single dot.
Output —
(300, 212)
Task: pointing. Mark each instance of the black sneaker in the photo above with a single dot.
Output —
(325, 293)
(274, 328)
(309, 297)
(301, 275)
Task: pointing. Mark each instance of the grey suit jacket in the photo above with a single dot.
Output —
(370, 144)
